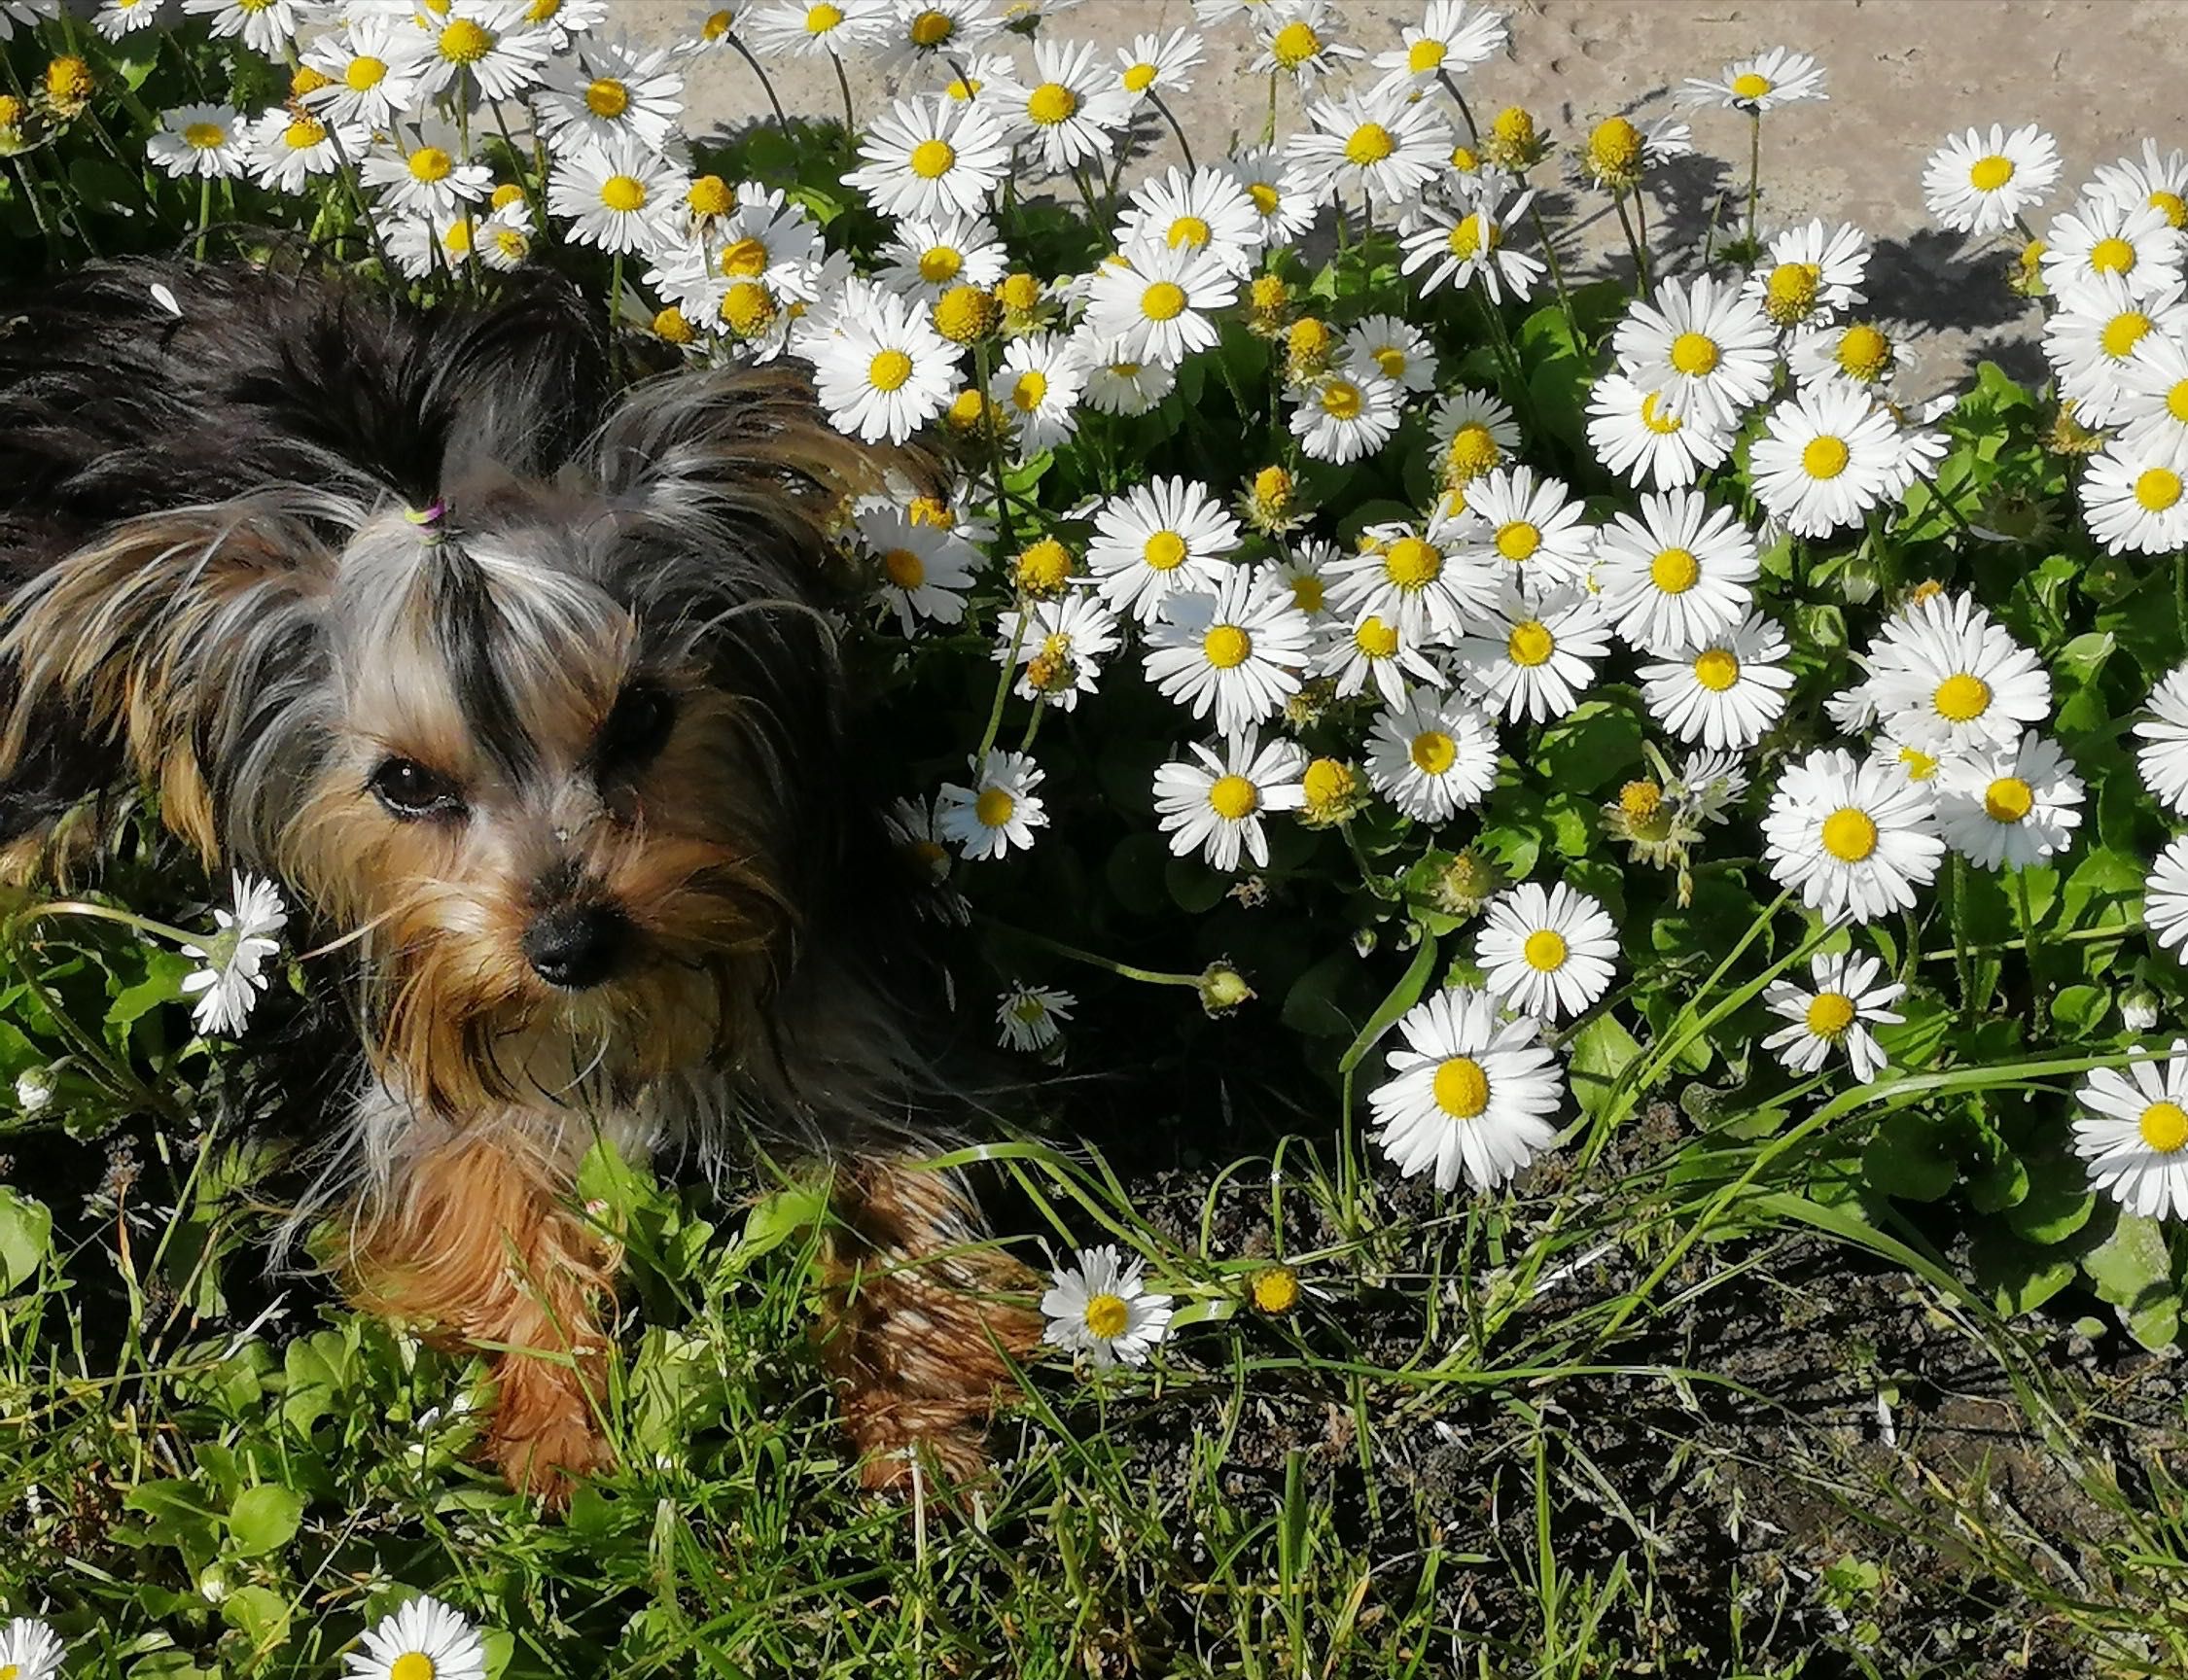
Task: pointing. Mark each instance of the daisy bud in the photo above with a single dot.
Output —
(1514, 141)
(671, 326)
(964, 313)
(1222, 989)
(1307, 349)
(1042, 570)
(306, 79)
(34, 1089)
(2139, 1010)
(971, 410)
(1276, 1290)
(710, 196)
(1614, 154)
(2069, 436)
(1466, 159)
(1335, 793)
(1022, 296)
(2026, 278)
(68, 85)
(747, 310)
(1469, 881)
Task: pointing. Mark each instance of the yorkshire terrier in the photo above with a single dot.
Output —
(526, 690)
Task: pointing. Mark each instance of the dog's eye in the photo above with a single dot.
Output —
(637, 728)
(411, 792)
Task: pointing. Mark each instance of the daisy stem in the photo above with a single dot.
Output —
(1040, 705)
(204, 212)
(2037, 1008)
(768, 86)
(31, 193)
(1072, 953)
(2074, 936)
(1632, 244)
(104, 913)
(525, 183)
(1507, 353)
(1268, 128)
(1183, 145)
(1557, 271)
(1466, 113)
(1963, 954)
(615, 309)
(463, 114)
(347, 170)
(843, 82)
(1950, 512)
(1754, 174)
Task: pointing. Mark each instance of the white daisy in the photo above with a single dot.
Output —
(925, 158)
(502, 241)
(1061, 648)
(999, 811)
(1101, 1308)
(267, 26)
(1468, 1092)
(1167, 536)
(2007, 807)
(1679, 575)
(1451, 38)
(1810, 273)
(1036, 389)
(768, 237)
(928, 33)
(228, 986)
(621, 196)
(887, 373)
(2103, 236)
(1835, 1014)
(1710, 351)
(2164, 899)
(116, 19)
(1828, 455)
(1724, 690)
(2152, 410)
(1304, 572)
(606, 88)
(1236, 652)
(1371, 648)
(1432, 757)
(1865, 355)
(1979, 183)
(29, 1649)
(424, 1637)
(808, 28)
(208, 141)
(1533, 657)
(1214, 806)
(1153, 65)
(930, 258)
(1946, 679)
(288, 148)
(1636, 438)
(563, 21)
(2163, 760)
(1763, 82)
(1028, 1016)
(1532, 523)
(1854, 839)
(2157, 179)
(489, 42)
(1116, 387)
(1207, 210)
(2134, 1134)
(426, 181)
(1711, 784)
(1377, 149)
(1073, 109)
(1465, 242)
(1473, 429)
(923, 573)
(2132, 495)
(1298, 39)
(1401, 350)
(914, 827)
(1422, 582)
(2095, 334)
(418, 246)
(1550, 954)
(374, 70)
(1285, 203)
(1151, 307)
(1347, 413)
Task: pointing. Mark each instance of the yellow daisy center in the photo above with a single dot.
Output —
(1694, 354)
(1029, 391)
(1233, 797)
(1341, 400)
(1051, 103)
(1921, 765)
(889, 370)
(1544, 951)
(1461, 1087)
(1164, 300)
(365, 73)
(710, 196)
(1471, 233)
(1045, 568)
(1989, 174)
(1293, 44)
(1531, 643)
(1961, 697)
(1426, 54)
(932, 159)
(1473, 451)
(413, 1666)
(1434, 751)
(1164, 552)
(204, 136)
(1639, 801)
(516, 247)
(1107, 1316)
(962, 313)
(430, 164)
(1370, 143)
(2173, 205)
(2158, 488)
(905, 570)
(2114, 255)
(464, 42)
(1329, 781)
(1517, 540)
(2122, 332)
(932, 28)
(1826, 457)
(2177, 401)
(746, 306)
(1376, 640)
(1615, 146)
(820, 18)
(1277, 1289)
(1652, 415)
(716, 26)
(1674, 571)
(994, 807)
(670, 324)
(1138, 78)
(1749, 86)
(2008, 799)
(1863, 352)
(303, 134)
(1189, 231)
(505, 195)
(1265, 197)
(744, 256)
(1791, 291)
(1307, 593)
(624, 194)
(307, 81)
(1849, 835)
(457, 239)
(539, 11)
(607, 97)
(1392, 360)
(1717, 669)
(1226, 647)
(2163, 1127)
(1410, 562)
(1830, 1014)
(939, 263)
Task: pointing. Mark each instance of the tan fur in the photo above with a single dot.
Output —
(476, 1247)
(921, 1321)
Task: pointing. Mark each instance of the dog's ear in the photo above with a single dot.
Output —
(189, 641)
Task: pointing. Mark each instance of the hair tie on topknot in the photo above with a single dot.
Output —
(427, 515)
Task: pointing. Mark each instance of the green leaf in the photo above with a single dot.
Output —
(26, 1232)
(2079, 1010)
(259, 1613)
(1596, 745)
(1602, 1051)
(165, 972)
(264, 1519)
(1909, 1157)
(1311, 1005)
(2017, 1277)
(2058, 1204)
(2133, 1269)
(1402, 996)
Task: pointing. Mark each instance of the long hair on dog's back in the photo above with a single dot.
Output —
(540, 710)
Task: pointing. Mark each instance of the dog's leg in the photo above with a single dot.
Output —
(477, 1245)
(919, 1313)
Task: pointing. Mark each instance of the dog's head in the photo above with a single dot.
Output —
(546, 744)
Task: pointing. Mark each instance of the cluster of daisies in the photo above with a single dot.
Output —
(422, 1639)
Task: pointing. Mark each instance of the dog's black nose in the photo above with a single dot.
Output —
(576, 945)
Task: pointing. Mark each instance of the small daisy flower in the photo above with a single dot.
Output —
(1400, 350)
(1061, 647)
(564, 22)
(427, 181)
(29, 1649)
(1854, 840)
(887, 373)
(607, 89)
(374, 70)
(621, 196)
(1451, 38)
(1711, 784)
(1072, 111)
(1810, 273)
(1946, 679)
(1465, 242)
(1122, 387)
(1167, 536)
(799, 29)
(2162, 759)
(1373, 650)
(1151, 306)
(1154, 66)
(1432, 757)
(924, 34)
(1347, 413)
(418, 246)
(2164, 899)
(1865, 355)
(923, 573)
(2132, 495)
(1283, 202)
(1305, 573)
(2133, 1134)
(1418, 582)
(1533, 657)
(1474, 434)
(2095, 335)
(1550, 954)
(2103, 236)
(1468, 1094)
(1633, 435)
(1979, 183)
(1680, 574)
(926, 159)
(1214, 806)
(1028, 1017)
(425, 1637)
(1297, 40)
(1236, 652)
(2007, 807)
(1530, 523)
(288, 148)
(208, 141)
(229, 984)
(491, 41)
(1835, 1014)
(1036, 389)
(1101, 1308)
(267, 26)
(2152, 410)
(1725, 691)
(1763, 82)
(1828, 455)
(116, 19)
(998, 811)
(928, 258)
(1207, 210)
(1378, 148)
(914, 829)
(2159, 180)
(1710, 351)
